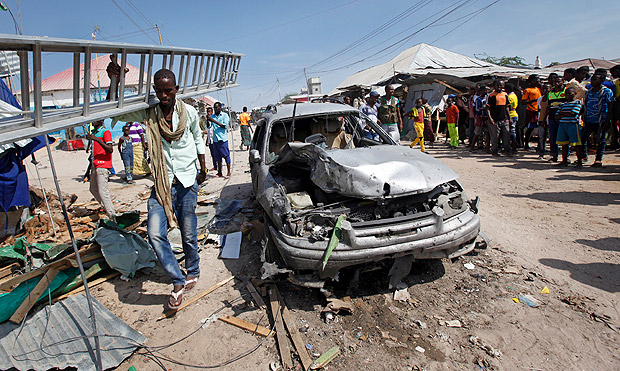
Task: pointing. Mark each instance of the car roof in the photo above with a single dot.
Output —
(308, 109)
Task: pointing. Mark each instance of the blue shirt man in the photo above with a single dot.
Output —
(220, 122)
(597, 104)
(598, 99)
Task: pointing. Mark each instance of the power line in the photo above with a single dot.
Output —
(132, 21)
(474, 14)
(400, 41)
(390, 23)
(287, 23)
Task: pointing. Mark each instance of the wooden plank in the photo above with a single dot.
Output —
(96, 282)
(85, 204)
(61, 264)
(448, 86)
(8, 270)
(191, 301)
(298, 342)
(89, 218)
(133, 226)
(34, 295)
(248, 326)
(283, 345)
(325, 358)
(257, 299)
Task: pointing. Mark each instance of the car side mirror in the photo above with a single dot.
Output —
(254, 156)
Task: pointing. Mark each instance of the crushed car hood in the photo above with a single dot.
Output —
(376, 172)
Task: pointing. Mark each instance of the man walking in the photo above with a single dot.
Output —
(175, 145)
(100, 167)
(389, 114)
(220, 120)
(245, 128)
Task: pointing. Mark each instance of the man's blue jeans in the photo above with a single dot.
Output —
(542, 138)
(600, 139)
(553, 135)
(184, 206)
(513, 128)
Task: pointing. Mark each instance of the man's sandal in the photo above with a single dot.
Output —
(190, 283)
(176, 295)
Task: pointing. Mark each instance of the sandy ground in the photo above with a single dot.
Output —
(550, 227)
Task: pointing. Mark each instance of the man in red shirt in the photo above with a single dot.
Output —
(101, 165)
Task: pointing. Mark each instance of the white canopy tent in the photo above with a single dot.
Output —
(423, 59)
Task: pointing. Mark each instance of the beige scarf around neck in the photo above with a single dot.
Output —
(157, 128)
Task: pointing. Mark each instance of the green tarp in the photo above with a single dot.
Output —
(123, 250)
(9, 302)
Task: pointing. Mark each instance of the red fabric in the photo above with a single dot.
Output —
(418, 114)
(451, 113)
(101, 158)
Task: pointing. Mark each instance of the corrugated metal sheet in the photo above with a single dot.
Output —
(67, 319)
(593, 63)
(64, 80)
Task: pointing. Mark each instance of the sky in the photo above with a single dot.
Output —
(329, 39)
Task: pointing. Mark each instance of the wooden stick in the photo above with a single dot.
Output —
(283, 346)
(448, 86)
(259, 301)
(191, 301)
(298, 342)
(34, 295)
(249, 326)
(96, 282)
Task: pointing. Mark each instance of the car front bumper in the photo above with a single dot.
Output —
(424, 236)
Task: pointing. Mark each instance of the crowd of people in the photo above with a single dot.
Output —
(573, 110)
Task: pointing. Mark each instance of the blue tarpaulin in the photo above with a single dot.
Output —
(13, 177)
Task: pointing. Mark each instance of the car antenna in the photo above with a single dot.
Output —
(293, 123)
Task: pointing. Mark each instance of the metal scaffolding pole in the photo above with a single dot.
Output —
(98, 362)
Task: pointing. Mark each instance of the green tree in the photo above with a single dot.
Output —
(503, 61)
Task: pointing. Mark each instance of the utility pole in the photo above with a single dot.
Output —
(19, 17)
(279, 92)
(94, 35)
(307, 86)
(159, 33)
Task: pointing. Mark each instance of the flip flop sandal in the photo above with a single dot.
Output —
(175, 296)
(191, 283)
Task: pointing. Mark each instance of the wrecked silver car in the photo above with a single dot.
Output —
(337, 192)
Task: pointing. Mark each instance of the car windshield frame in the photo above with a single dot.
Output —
(354, 123)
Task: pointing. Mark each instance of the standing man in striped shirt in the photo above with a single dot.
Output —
(140, 147)
(568, 117)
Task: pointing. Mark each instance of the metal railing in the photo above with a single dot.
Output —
(197, 72)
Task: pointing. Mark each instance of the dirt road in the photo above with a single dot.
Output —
(549, 227)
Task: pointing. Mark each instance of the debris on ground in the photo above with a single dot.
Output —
(485, 346)
(338, 306)
(529, 300)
